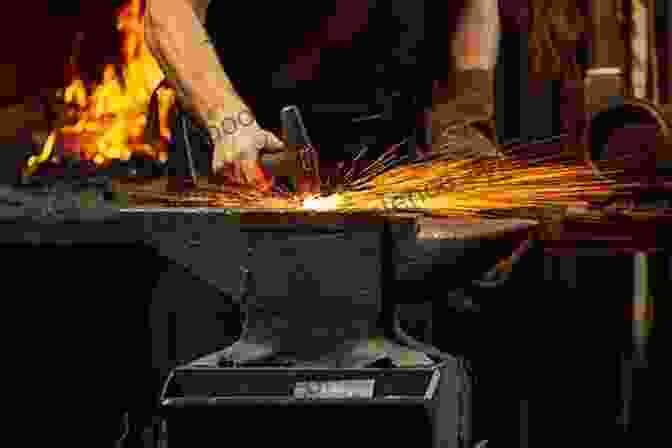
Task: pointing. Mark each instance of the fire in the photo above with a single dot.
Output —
(110, 120)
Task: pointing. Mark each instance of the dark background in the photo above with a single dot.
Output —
(40, 33)
(114, 320)
(38, 37)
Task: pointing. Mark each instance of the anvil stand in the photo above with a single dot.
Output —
(454, 428)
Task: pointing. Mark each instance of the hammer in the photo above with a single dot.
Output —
(293, 160)
(296, 158)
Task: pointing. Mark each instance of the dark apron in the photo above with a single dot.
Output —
(368, 87)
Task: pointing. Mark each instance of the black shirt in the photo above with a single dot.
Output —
(371, 54)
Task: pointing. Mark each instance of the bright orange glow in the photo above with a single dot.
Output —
(110, 120)
(470, 187)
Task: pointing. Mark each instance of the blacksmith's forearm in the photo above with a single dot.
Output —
(178, 40)
(476, 42)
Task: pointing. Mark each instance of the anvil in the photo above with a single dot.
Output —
(313, 262)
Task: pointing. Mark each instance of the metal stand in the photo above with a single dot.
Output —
(636, 360)
(434, 396)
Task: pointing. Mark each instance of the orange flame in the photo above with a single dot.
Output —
(111, 120)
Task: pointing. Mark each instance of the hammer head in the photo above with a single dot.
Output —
(283, 163)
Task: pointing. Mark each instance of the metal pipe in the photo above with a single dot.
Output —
(641, 305)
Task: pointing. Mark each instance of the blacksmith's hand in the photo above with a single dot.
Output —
(238, 139)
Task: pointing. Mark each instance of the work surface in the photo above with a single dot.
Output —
(212, 242)
(80, 216)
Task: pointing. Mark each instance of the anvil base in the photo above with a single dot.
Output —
(424, 407)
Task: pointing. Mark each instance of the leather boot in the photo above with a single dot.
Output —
(462, 116)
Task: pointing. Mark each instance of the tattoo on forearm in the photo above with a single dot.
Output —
(220, 128)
